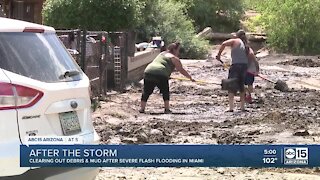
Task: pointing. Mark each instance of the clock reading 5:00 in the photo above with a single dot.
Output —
(270, 152)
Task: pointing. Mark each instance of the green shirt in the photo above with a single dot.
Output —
(161, 65)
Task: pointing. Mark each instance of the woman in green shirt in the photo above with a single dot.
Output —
(158, 74)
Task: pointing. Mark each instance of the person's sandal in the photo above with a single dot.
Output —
(167, 111)
(141, 111)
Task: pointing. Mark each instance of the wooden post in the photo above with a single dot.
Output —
(125, 58)
(101, 65)
(79, 46)
(83, 50)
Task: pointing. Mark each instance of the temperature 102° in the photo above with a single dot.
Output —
(270, 160)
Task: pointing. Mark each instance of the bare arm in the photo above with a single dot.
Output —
(252, 57)
(229, 42)
(177, 63)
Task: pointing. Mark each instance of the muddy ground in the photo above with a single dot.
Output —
(198, 117)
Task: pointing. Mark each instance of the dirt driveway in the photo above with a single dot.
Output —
(198, 118)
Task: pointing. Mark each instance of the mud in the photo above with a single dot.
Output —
(208, 174)
(303, 62)
(199, 115)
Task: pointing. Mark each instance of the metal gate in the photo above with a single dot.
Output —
(117, 66)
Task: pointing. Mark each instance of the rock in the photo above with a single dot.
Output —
(214, 135)
(221, 170)
(271, 141)
(156, 125)
(128, 141)
(258, 87)
(301, 133)
(214, 96)
(259, 101)
(194, 133)
(121, 177)
(139, 130)
(106, 134)
(116, 128)
(128, 88)
(142, 138)
(156, 132)
(112, 93)
(123, 132)
(227, 121)
(316, 169)
(226, 126)
(186, 141)
(256, 132)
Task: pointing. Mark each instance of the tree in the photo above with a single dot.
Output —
(221, 15)
(111, 15)
(168, 19)
(292, 26)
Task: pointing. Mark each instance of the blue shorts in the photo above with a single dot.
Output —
(249, 79)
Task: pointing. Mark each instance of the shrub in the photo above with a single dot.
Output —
(167, 19)
(292, 26)
(110, 15)
(257, 5)
(149, 17)
(255, 24)
(221, 15)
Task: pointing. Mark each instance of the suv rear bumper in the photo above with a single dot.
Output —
(57, 174)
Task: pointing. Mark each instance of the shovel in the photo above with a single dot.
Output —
(226, 84)
(279, 85)
(197, 81)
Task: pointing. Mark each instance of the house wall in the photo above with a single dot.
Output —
(27, 10)
(2, 14)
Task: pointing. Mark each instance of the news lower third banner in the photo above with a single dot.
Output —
(170, 156)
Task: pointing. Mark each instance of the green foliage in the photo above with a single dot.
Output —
(256, 5)
(221, 15)
(105, 15)
(292, 25)
(167, 19)
(255, 24)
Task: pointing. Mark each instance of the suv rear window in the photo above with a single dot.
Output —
(40, 56)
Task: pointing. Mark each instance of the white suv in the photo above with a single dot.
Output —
(43, 92)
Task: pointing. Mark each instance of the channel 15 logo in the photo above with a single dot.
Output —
(296, 156)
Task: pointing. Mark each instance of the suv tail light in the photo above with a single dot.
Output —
(33, 30)
(16, 97)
